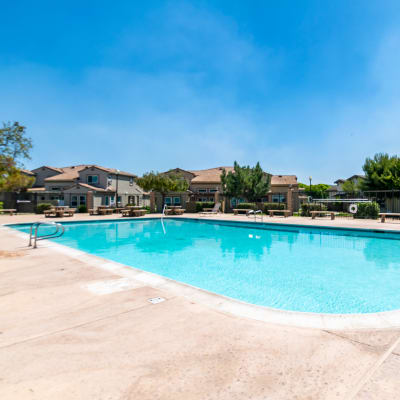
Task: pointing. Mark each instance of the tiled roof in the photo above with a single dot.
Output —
(48, 167)
(213, 175)
(90, 187)
(112, 170)
(67, 173)
(71, 173)
(27, 172)
(284, 180)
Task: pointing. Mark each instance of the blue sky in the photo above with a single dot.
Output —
(304, 87)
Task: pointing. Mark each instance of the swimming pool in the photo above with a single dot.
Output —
(318, 270)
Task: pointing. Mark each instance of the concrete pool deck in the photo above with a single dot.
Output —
(66, 335)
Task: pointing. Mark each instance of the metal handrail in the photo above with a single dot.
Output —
(252, 212)
(33, 234)
(163, 211)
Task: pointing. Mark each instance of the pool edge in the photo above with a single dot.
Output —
(380, 320)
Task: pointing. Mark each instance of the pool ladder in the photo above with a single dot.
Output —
(33, 234)
(255, 214)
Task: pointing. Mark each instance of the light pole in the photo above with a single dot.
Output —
(310, 178)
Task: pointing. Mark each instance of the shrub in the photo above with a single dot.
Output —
(337, 206)
(274, 206)
(1, 205)
(82, 209)
(367, 210)
(200, 205)
(42, 207)
(250, 206)
(307, 207)
(147, 208)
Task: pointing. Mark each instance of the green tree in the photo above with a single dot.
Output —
(319, 191)
(351, 187)
(382, 172)
(233, 183)
(14, 146)
(162, 183)
(245, 182)
(12, 179)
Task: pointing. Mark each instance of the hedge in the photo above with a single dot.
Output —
(367, 210)
(203, 204)
(1, 205)
(246, 206)
(274, 206)
(82, 209)
(42, 207)
(307, 207)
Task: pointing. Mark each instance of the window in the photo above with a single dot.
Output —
(109, 180)
(212, 190)
(177, 201)
(131, 181)
(235, 202)
(167, 201)
(118, 200)
(202, 190)
(74, 201)
(92, 179)
(55, 188)
(82, 200)
(278, 198)
(42, 198)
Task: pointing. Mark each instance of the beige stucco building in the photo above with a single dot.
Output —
(205, 185)
(79, 185)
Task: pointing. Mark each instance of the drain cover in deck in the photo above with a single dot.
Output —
(156, 300)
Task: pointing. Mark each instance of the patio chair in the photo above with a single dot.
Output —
(213, 211)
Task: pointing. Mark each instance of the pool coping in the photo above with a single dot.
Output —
(221, 303)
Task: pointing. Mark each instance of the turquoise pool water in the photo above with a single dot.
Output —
(285, 267)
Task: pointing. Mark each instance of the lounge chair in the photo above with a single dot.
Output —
(213, 211)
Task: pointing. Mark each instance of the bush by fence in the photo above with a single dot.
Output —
(246, 206)
(1, 205)
(307, 207)
(200, 205)
(367, 210)
(42, 207)
(273, 206)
